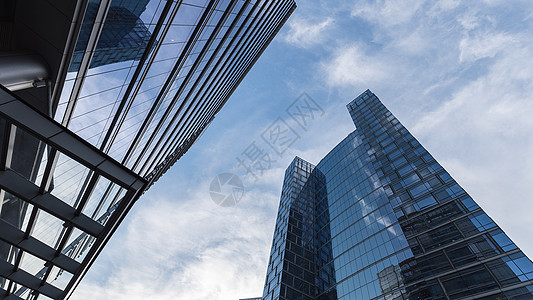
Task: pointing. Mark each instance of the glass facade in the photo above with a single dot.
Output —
(141, 80)
(124, 35)
(379, 218)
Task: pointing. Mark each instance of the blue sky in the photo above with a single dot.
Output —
(457, 74)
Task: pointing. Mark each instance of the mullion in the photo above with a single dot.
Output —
(222, 69)
(235, 74)
(188, 142)
(191, 73)
(271, 13)
(117, 121)
(75, 28)
(92, 42)
(175, 71)
(7, 145)
(47, 178)
(234, 37)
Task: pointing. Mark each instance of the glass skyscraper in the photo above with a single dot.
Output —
(98, 99)
(379, 218)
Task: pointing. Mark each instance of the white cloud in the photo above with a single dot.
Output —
(351, 66)
(416, 43)
(468, 21)
(304, 33)
(387, 13)
(189, 249)
(448, 4)
(483, 45)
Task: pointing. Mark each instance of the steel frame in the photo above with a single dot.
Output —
(21, 116)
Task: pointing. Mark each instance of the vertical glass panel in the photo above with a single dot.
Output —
(21, 291)
(425, 202)
(78, 244)
(84, 247)
(77, 56)
(123, 41)
(27, 154)
(69, 180)
(94, 111)
(48, 228)
(469, 203)
(76, 238)
(33, 265)
(188, 14)
(110, 206)
(102, 189)
(165, 59)
(104, 206)
(8, 252)
(42, 165)
(502, 240)
(15, 211)
(4, 283)
(59, 278)
(525, 265)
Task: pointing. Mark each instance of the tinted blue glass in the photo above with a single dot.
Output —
(387, 223)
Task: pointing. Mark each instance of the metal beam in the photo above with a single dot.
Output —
(8, 144)
(68, 51)
(19, 186)
(28, 280)
(47, 130)
(14, 236)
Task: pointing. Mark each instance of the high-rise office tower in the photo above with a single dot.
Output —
(98, 99)
(379, 218)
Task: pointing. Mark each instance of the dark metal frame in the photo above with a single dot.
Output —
(57, 138)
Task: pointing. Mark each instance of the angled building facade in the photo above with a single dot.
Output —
(379, 218)
(98, 98)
